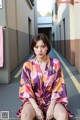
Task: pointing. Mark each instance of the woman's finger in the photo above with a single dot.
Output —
(49, 117)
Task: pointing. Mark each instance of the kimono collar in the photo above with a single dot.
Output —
(47, 60)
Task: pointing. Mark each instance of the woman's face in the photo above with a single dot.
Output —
(40, 49)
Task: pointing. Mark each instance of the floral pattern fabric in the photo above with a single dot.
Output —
(42, 87)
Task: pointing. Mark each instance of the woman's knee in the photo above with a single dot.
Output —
(63, 115)
(26, 116)
(27, 113)
(23, 116)
(60, 112)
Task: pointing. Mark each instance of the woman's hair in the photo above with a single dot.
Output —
(39, 37)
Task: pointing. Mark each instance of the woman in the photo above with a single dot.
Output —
(42, 85)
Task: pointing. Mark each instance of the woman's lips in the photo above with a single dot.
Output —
(40, 54)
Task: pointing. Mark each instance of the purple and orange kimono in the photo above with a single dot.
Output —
(42, 87)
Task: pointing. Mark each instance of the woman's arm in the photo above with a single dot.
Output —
(33, 103)
(38, 111)
(52, 104)
(50, 110)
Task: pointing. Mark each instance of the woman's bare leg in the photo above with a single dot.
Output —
(28, 112)
(60, 112)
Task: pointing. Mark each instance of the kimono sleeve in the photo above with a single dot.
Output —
(25, 89)
(59, 90)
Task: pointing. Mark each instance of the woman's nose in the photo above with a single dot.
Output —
(40, 49)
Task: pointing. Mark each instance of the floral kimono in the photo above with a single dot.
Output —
(42, 87)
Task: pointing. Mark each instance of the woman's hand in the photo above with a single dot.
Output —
(50, 113)
(39, 114)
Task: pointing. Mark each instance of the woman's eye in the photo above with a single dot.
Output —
(42, 46)
(36, 46)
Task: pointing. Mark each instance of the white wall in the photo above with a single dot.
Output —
(23, 12)
(63, 13)
(72, 22)
(11, 14)
(54, 27)
(77, 21)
